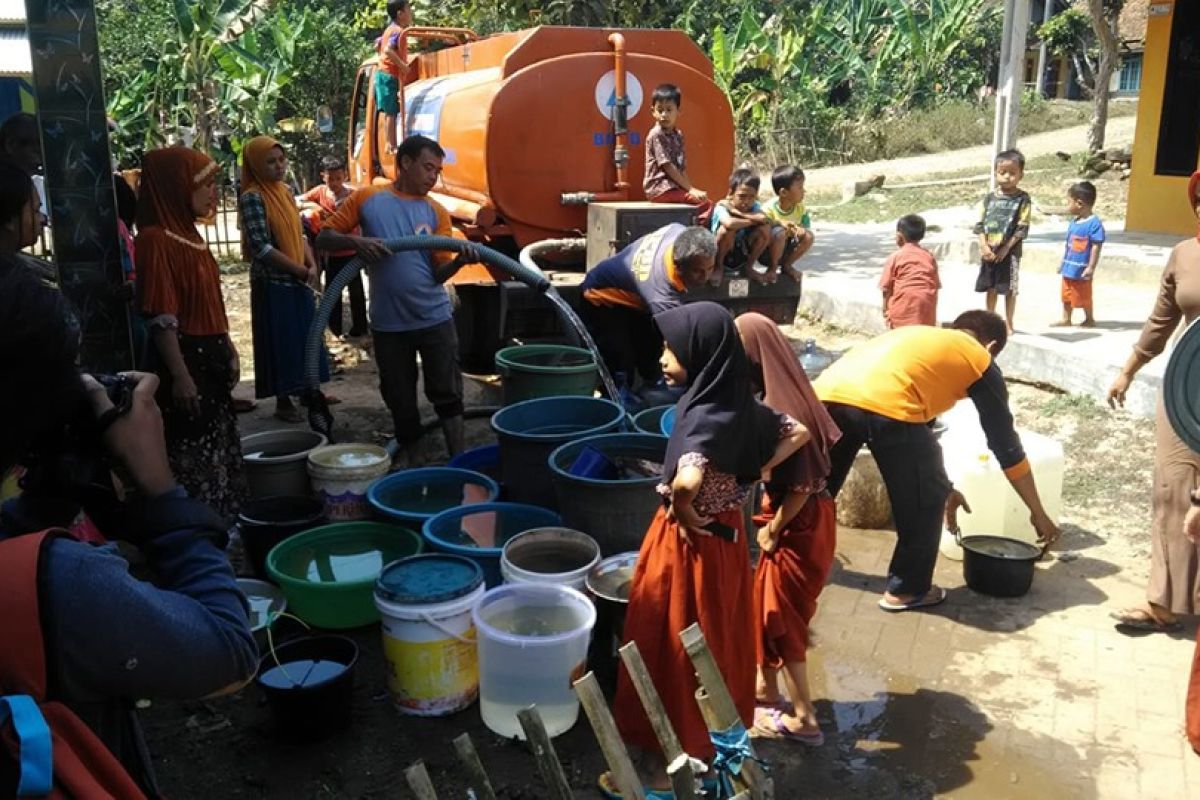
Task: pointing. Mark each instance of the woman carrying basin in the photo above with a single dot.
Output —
(694, 564)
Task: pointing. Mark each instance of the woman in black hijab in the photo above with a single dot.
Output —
(694, 565)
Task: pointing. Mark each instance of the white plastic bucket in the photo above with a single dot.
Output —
(533, 641)
(341, 475)
(425, 607)
(550, 555)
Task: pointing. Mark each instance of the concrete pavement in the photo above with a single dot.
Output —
(842, 271)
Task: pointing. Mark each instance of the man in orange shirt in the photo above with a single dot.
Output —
(883, 393)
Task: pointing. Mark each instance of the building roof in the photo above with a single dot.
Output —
(14, 53)
(1131, 25)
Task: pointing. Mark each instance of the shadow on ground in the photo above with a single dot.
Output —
(908, 744)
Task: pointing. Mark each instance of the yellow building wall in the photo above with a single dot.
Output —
(1157, 203)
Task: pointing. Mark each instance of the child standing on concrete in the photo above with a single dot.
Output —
(666, 168)
(910, 280)
(1003, 225)
(1085, 237)
(741, 227)
(792, 236)
(393, 66)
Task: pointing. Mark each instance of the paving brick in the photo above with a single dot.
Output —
(1160, 778)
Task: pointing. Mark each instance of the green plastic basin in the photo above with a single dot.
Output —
(328, 573)
(545, 370)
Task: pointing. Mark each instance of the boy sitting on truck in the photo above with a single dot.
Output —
(666, 172)
(393, 66)
(743, 231)
(792, 236)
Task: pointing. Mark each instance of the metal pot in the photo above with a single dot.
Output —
(996, 566)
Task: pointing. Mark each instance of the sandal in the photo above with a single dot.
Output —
(1139, 620)
(290, 414)
(769, 724)
(243, 406)
(931, 597)
(608, 788)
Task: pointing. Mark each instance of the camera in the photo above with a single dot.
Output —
(74, 464)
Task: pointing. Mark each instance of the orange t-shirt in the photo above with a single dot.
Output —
(910, 278)
(909, 374)
(393, 39)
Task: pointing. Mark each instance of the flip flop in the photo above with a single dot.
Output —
(782, 704)
(932, 597)
(609, 789)
(769, 724)
(1138, 621)
(243, 406)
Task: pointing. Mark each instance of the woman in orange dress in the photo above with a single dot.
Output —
(797, 535)
(694, 565)
(179, 295)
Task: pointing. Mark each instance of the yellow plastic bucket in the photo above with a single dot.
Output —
(425, 607)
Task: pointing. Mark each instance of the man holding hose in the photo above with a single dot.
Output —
(410, 311)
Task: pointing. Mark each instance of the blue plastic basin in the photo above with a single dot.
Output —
(479, 532)
(414, 495)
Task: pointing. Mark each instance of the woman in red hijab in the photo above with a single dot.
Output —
(797, 537)
(1174, 566)
(179, 295)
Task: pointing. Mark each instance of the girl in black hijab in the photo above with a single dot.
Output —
(694, 565)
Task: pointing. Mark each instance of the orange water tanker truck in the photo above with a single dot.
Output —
(544, 133)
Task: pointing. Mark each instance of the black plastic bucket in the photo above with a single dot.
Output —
(310, 689)
(266, 522)
(997, 566)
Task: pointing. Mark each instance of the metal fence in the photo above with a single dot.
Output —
(222, 234)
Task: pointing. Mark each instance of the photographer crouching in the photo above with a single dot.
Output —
(78, 629)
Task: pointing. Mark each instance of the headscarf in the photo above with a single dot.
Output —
(786, 389)
(717, 415)
(283, 217)
(169, 178)
(1194, 195)
(177, 274)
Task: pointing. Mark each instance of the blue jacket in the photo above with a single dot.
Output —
(112, 639)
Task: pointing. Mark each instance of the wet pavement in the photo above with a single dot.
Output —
(1033, 697)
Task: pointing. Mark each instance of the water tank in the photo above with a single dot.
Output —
(525, 117)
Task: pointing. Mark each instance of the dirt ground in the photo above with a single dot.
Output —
(225, 748)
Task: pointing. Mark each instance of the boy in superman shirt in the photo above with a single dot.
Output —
(1085, 237)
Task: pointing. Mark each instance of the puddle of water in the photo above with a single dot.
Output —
(889, 734)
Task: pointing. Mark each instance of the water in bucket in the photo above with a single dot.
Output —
(533, 641)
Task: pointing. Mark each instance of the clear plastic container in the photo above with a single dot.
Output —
(533, 642)
(996, 510)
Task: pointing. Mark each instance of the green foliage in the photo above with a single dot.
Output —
(1068, 33)
(809, 80)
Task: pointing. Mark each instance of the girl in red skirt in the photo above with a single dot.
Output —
(797, 534)
(694, 562)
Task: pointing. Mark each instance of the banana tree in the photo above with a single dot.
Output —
(205, 27)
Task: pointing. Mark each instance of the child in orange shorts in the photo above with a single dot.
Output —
(1085, 238)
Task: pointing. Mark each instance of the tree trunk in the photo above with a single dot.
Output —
(1105, 27)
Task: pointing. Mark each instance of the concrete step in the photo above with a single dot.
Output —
(840, 286)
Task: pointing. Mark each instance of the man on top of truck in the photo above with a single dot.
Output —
(623, 292)
(410, 310)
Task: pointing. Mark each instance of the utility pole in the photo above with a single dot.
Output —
(1047, 15)
(1011, 78)
(79, 176)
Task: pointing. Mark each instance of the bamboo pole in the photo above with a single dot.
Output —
(418, 781)
(476, 775)
(615, 754)
(679, 765)
(543, 753)
(718, 709)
